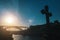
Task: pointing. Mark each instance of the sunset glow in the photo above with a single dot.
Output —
(9, 19)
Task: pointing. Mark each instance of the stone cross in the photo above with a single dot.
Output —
(47, 13)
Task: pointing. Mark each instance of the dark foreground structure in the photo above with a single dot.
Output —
(45, 33)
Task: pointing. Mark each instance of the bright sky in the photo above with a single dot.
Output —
(28, 11)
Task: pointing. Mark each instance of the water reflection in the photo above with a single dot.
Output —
(20, 37)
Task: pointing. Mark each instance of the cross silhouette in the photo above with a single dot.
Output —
(47, 13)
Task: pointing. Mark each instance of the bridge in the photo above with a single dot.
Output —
(13, 29)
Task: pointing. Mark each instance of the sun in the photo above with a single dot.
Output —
(9, 20)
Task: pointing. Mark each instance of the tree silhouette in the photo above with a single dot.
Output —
(47, 13)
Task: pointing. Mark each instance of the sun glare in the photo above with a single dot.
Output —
(9, 20)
